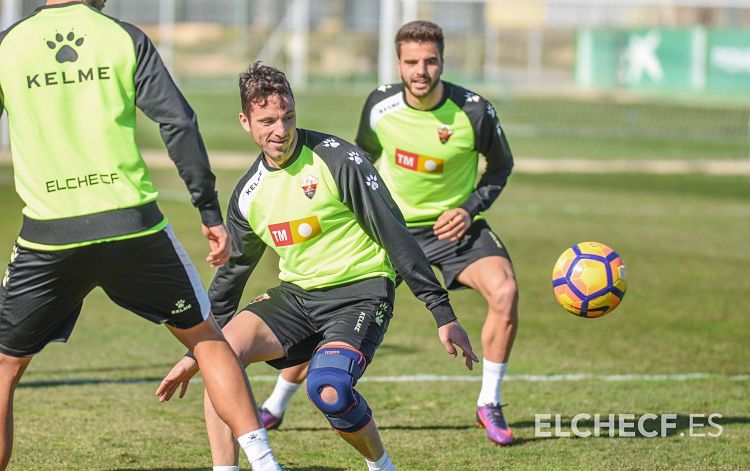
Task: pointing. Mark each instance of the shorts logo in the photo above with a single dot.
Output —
(294, 232)
(181, 306)
(380, 313)
(13, 255)
(259, 298)
(310, 186)
(360, 319)
(418, 163)
(444, 133)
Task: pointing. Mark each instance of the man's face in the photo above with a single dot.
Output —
(98, 4)
(273, 127)
(420, 67)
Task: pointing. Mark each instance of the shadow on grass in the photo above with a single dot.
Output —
(83, 382)
(104, 369)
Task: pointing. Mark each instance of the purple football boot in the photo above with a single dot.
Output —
(269, 420)
(490, 417)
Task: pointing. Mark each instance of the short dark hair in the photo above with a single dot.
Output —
(259, 82)
(420, 31)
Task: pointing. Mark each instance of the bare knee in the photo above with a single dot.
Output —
(12, 368)
(503, 298)
(329, 395)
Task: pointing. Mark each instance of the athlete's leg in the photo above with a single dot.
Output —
(287, 384)
(233, 412)
(364, 436)
(494, 278)
(11, 370)
(252, 341)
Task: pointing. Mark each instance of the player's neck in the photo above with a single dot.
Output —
(57, 2)
(428, 101)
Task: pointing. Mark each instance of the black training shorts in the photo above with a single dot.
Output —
(356, 314)
(452, 257)
(42, 292)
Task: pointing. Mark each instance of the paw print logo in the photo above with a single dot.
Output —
(180, 304)
(384, 88)
(471, 97)
(355, 157)
(65, 52)
(372, 182)
(491, 110)
(331, 142)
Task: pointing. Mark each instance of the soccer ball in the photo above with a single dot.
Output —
(588, 279)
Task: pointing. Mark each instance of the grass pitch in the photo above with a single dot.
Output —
(89, 405)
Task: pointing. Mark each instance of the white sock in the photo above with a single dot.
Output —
(492, 379)
(258, 451)
(280, 397)
(226, 468)
(382, 464)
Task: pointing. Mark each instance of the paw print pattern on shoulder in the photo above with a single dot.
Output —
(64, 46)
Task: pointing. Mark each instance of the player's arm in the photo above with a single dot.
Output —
(367, 139)
(160, 99)
(362, 190)
(491, 142)
(225, 291)
(246, 251)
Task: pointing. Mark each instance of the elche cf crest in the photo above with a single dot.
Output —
(444, 133)
(309, 186)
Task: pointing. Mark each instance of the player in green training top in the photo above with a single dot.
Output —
(70, 81)
(426, 136)
(320, 205)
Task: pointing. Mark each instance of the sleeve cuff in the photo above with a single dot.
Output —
(211, 213)
(443, 314)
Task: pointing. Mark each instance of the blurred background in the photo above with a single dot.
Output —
(584, 78)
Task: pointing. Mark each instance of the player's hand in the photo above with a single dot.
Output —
(452, 333)
(452, 224)
(179, 376)
(218, 242)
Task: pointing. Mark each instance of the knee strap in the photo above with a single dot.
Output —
(339, 368)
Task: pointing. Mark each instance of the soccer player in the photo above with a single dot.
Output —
(320, 205)
(426, 136)
(70, 80)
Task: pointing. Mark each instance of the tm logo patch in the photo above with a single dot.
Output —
(419, 163)
(294, 232)
(65, 52)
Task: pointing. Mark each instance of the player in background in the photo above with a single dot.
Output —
(320, 205)
(426, 136)
(70, 80)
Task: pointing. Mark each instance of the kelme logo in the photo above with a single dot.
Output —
(294, 232)
(64, 46)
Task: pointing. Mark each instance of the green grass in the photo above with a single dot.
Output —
(536, 127)
(683, 239)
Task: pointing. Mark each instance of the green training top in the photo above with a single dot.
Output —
(429, 159)
(331, 221)
(71, 79)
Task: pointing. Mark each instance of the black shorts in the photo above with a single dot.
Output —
(42, 292)
(452, 257)
(356, 314)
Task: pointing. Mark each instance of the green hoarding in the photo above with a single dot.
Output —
(669, 60)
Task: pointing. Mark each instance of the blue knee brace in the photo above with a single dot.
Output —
(339, 368)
